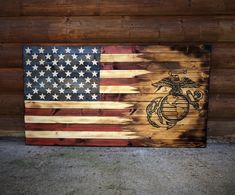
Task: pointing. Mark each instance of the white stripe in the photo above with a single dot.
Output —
(81, 134)
(78, 119)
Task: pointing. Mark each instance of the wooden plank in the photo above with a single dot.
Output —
(10, 126)
(222, 81)
(11, 55)
(115, 7)
(78, 119)
(101, 127)
(221, 128)
(82, 104)
(127, 29)
(77, 142)
(223, 56)
(221, 106)
(148, 57)
(81, 134)
(101, 142)
(122, 73)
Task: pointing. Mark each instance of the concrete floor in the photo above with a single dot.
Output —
(86, 170)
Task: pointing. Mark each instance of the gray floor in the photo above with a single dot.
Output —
(87, 170)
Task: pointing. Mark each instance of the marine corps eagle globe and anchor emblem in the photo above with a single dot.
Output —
(166, 111)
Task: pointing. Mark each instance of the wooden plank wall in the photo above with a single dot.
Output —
(118, 21)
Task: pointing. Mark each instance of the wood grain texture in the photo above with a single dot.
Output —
(215, 27)
(222, 56)
(115, 7)
(222, 81)
(127, 29)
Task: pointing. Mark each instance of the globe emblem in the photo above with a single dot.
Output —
(174, 107)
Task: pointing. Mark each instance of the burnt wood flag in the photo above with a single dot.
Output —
(148, 95)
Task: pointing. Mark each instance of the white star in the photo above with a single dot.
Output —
(54, 62)
(41, 62)
(35, 67)
(81, 85)
(54, 74)
(74, 79)
(28, 73)
(48, 79)
(28, 50)
(35, 56)
(87, 90)
(68, 85)
(81, 50)
(54, 50)
(68, 97)
(88, 68)
(35, 90)
(28, 62)
(48, 90)
(48, 67)
(94, 85)
(67, 50)
(75, 67)
(68, 62)
(61, 90)
(88, 80)
(35, 79)
(94, 74)
(55, 97)
(61, 57)
(81, 62)
(61, 67)
(29, 84)
(42, 84)
(68, 73)
(74, 56)
(88, 56)
(94, 96)
(55, 85)
(94, 50)
(74, 90)
(81, 97)
(41, 50)
(41, 73)
(81, 74)
(48, 56)
(94, 62)
(61, 79)
(42, 96)
(29, 96)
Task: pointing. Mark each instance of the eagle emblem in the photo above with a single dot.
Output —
(166, 111)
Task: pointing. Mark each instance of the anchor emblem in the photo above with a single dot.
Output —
(166, 111)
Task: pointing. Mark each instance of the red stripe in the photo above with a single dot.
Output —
(76, 112)
(73, 127)
(120, 49)
(123, 66)
(78, 142)
(119, 81)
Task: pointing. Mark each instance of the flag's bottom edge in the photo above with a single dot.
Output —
(115, 142)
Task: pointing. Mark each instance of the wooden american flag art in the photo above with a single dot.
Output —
(116, 95)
